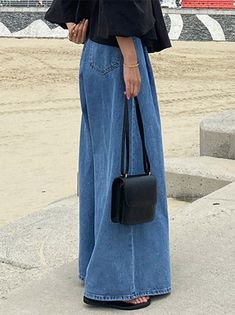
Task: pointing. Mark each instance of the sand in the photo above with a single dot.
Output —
(40, 113)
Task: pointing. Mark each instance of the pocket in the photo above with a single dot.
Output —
(104, 58)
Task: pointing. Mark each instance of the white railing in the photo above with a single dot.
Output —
(47, 3)
(25, 3)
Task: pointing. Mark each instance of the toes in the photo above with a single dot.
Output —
(133, 301)
(145, 298)
(140, 299)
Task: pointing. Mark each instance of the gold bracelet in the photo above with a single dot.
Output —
(131, 65)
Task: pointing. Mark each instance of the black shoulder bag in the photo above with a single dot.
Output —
(134, 196)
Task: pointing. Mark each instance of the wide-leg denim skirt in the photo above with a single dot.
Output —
(116, 261)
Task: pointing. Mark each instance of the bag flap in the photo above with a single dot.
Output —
(139, 190)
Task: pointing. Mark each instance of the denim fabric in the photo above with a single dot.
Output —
(118, 262)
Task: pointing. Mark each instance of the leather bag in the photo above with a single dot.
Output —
(134, 196)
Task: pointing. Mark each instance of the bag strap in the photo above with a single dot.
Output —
(125, 136)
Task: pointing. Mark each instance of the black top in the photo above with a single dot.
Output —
(110, 18)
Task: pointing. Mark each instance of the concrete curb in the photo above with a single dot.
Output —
(217, 135)
(191, 178)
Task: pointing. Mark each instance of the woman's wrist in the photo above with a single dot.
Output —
(130, 59)
(128, 50)
(131, 65)
(129, 56)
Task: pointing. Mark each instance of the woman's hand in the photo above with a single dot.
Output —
(132, 80)
(132, 76)
(77, 32)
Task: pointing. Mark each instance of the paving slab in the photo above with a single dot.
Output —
(217, 135)
(37, 243)
(190, 178)
(202, 263)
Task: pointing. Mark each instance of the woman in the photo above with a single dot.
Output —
(122, 266)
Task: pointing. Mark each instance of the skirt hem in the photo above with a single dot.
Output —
(81, 277)
(128, 296)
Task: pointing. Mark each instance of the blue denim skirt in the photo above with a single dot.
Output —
(116, 261)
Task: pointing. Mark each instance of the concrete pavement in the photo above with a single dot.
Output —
(202, 260)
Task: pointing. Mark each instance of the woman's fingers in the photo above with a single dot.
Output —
(137, 87)
(131, 88)
(132, 81)
(77, 34)
(71, 27)
(81, 32)
(128, 89)
(72, 32)
(84, 31)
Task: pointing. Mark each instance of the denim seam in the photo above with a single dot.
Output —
(128, 296)
(132, 258)
(86, 120)
(106, 70)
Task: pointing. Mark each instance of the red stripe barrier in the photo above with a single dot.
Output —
(212, 4)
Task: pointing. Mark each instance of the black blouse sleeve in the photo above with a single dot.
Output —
(64, 11)
(125, 17)
(110, 18)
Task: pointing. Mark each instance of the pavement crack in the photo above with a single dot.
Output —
(17, 264)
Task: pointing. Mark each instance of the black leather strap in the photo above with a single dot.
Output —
(141, 129)
(125, 138)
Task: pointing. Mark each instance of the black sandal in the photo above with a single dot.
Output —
(116, 304)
